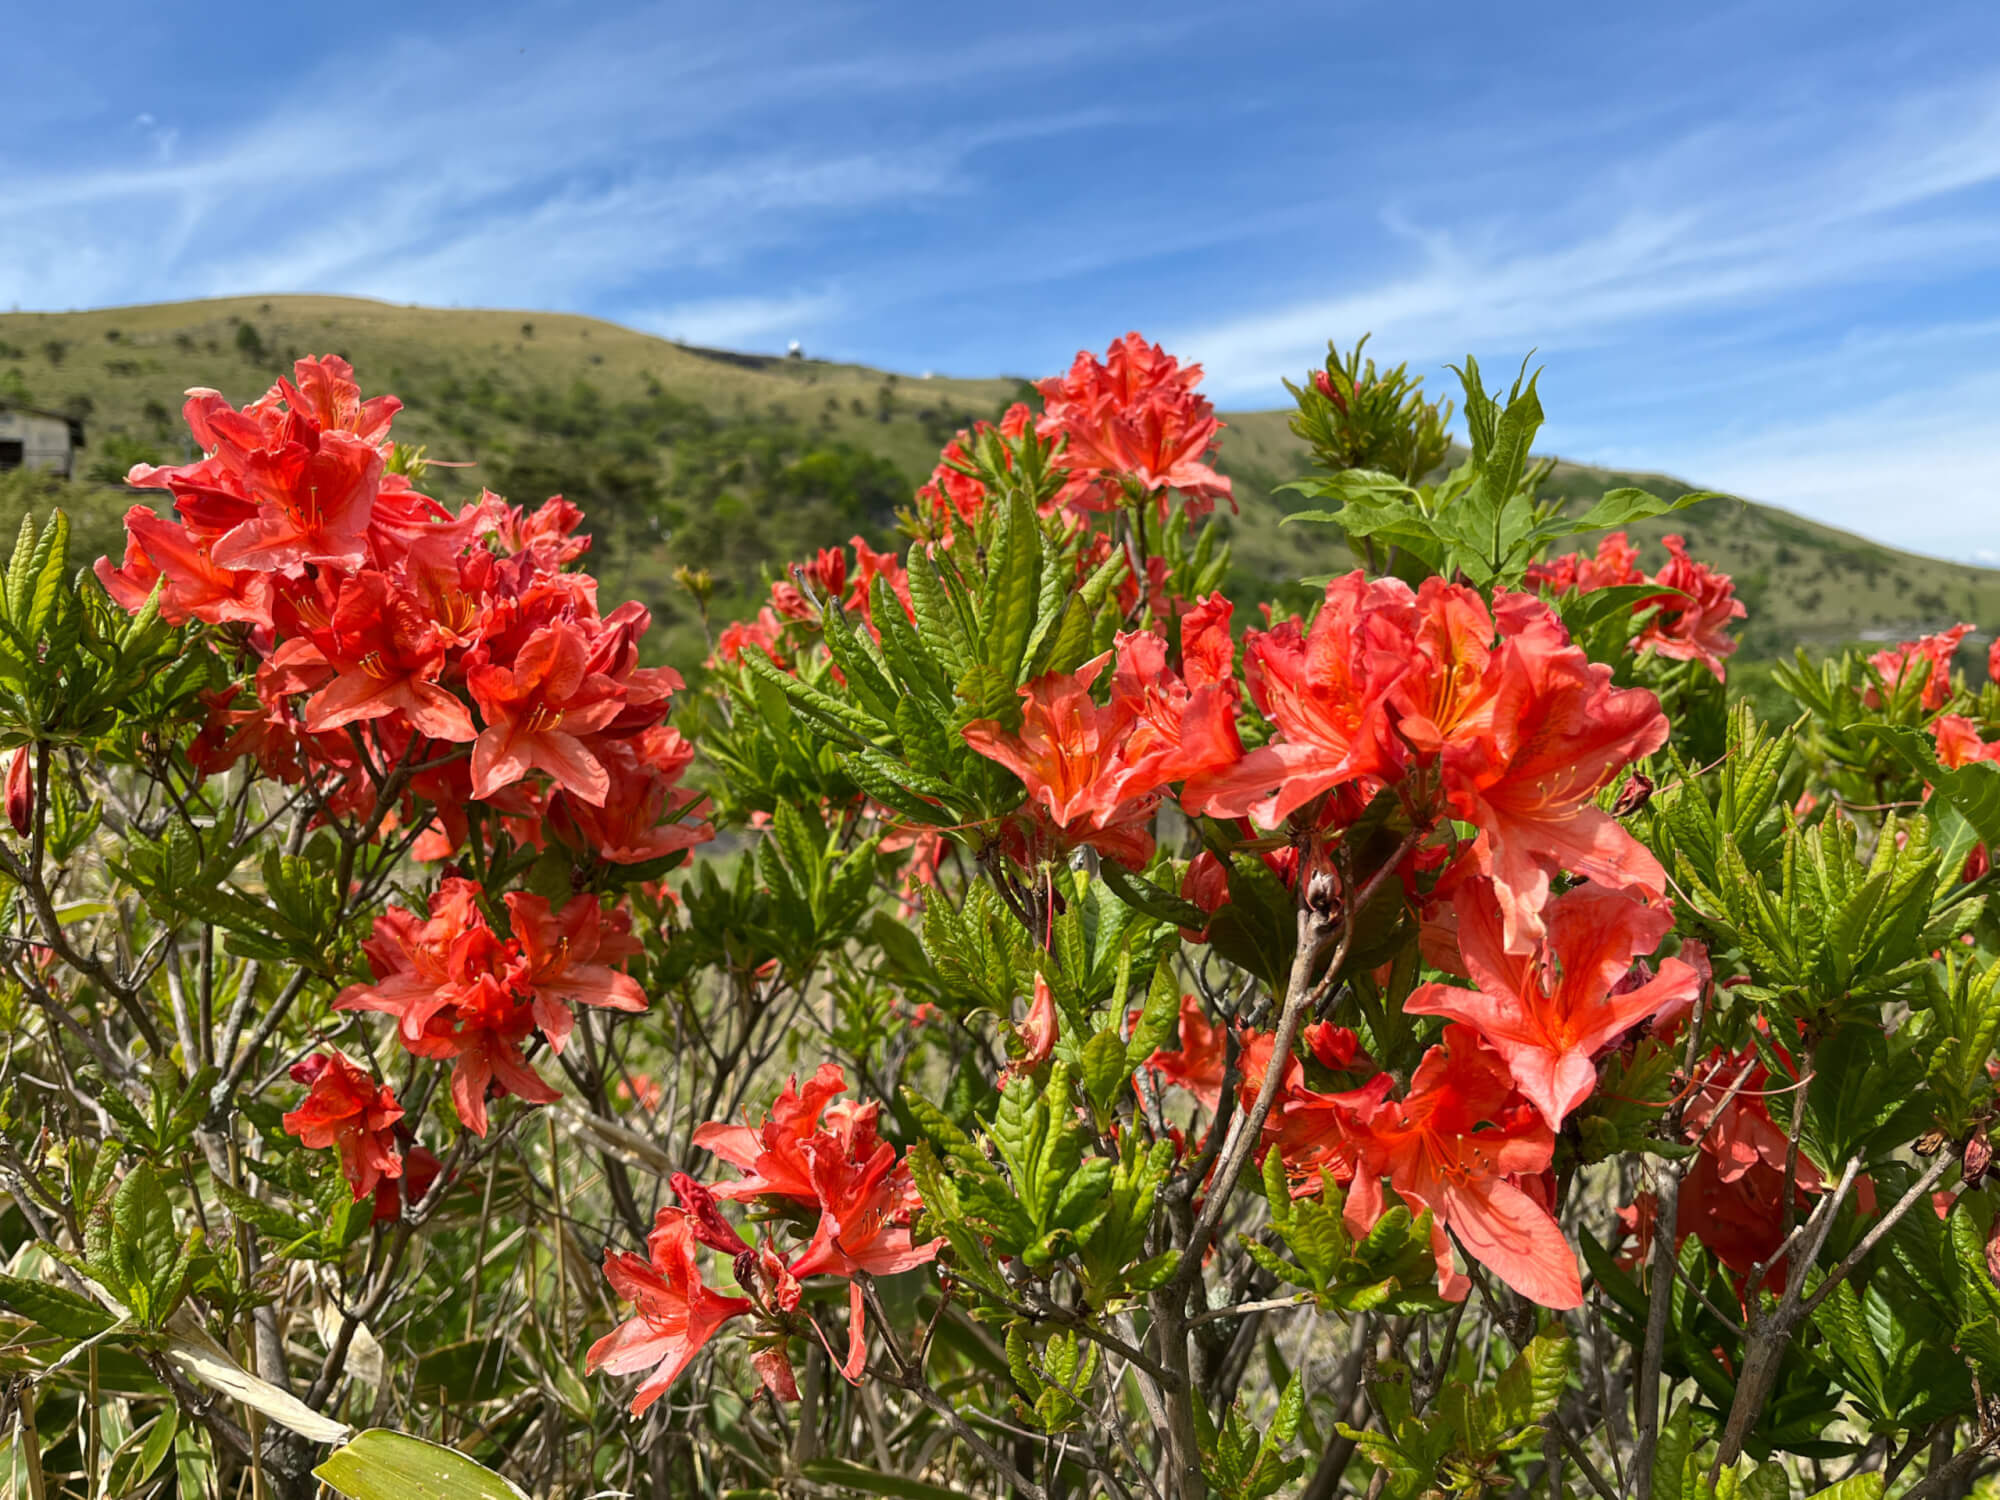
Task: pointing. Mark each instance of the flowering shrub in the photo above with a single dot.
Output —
(1120, 1041)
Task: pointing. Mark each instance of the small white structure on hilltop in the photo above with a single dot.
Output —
(32, 439)
(793, 351)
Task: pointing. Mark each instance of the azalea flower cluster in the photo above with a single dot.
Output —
(462, 992)
(1127, 429)
(1732, 1197)
(813, 1152)
(1467, 713)
(827, 576)
(1929, 655)
(347, 1111)
(1690, 624)
(369, 606)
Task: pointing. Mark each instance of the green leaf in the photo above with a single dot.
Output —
(1677, 1444)
(1103, 1068)
(384, 1465)
(1155, 901)
(1159, 1017)
(21, 573)
(1973, 789)
(141, 1453)
(1013, 585)
(1626, 506)
(55, 1308)
(147, 1249)
(1529, 1389)
(842, 1474)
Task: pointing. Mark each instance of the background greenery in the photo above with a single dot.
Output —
(736, 463)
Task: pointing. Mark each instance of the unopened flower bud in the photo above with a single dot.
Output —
(1634, 795)
(20, 792)
(1323, 892)
(1978, 1157)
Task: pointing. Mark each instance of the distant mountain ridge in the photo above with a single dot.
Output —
(736, 462)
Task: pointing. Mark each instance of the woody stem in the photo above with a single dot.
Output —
(1300, 991)
(1771, 1334)
(1666, 1264)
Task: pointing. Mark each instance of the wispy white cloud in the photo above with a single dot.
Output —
(741, 322)
(1719, 219)
(1919, 468)
(600, 159)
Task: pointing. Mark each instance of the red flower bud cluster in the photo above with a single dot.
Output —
(347, 1110)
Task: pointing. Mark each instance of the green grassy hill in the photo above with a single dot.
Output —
(1804, 584)
(735, 462)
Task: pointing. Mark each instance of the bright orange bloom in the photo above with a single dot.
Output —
(560, 967)
(773, 1153)
(867, 1202)
(537, 712)
(313, 490)
(386, 656)
(1959, 744)
(1447, 695)
(1551, 1013)
(1328, 691)
(1931, 655)
(643, 814)
(1185, 722)
(1200, 1063)
(1733, 1196)
(460, 991)
(421, 1168)
(345, 1108)
(760, 634)
(951, 492)
(196, 589)
(1695, 628)
(1070, 755)
(1133, 419)
(870, 565)
(551, 526)
(1454, 1144)
(323, 390)
(1557, 732)
(1311, 1132)
(674, 1314)
(1615, 563)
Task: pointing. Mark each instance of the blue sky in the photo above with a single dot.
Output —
(1755, 245)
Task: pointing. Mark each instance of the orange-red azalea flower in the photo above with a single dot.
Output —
(1454, 1144)
(347, 1109)
(674, 1313)
(538, 711)
(1550, 1013)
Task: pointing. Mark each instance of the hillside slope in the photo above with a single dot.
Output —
(734, 462)
(1803, 583)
